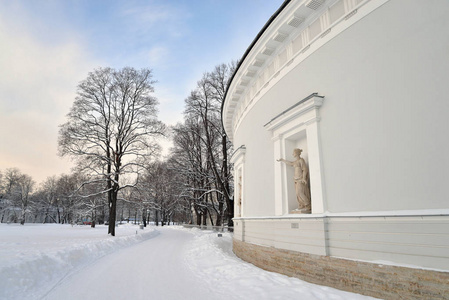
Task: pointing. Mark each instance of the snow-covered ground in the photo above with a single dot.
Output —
(79, 262)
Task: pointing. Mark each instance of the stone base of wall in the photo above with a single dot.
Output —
(380, 281)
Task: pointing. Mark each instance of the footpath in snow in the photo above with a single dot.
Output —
(65, 262)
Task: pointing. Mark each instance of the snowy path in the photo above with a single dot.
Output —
(65, 262)
(184, 264)
(137, 272)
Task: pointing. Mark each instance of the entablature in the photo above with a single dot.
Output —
(290, 36)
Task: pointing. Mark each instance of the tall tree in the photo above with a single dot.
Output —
(188, 157)
(1, 183)
(48, 197)
(218, 81)
(201, 147)
(25, 188)
(160, 190)
(111, 128)
(66, 199)
(18, 187)
(10, 179)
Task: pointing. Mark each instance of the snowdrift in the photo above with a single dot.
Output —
(37, 257)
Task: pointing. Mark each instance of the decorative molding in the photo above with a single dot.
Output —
(238, 154)
(280, 37)
(295, 21)
(298, 124)
(325, 33)
(268, 51)
(276, 138)
(314, 4)
(310, 102)
(351, 14)
(291, 24)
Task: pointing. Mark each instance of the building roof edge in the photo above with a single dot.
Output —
(261, 32)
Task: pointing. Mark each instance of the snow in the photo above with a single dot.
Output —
(36, 257)
(79, 262)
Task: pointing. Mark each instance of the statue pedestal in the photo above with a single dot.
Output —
(301, 211)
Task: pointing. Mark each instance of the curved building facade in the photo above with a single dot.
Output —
(361, 87)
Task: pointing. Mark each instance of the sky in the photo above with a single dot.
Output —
(48, 47)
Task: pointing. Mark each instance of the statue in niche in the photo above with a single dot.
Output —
(240, 196)
(301, 181)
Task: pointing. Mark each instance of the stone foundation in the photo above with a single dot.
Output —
(381, 281)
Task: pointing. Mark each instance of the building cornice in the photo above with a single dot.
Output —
(295, 31)
(250, 48)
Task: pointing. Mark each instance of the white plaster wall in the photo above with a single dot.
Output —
(258, 176)
(303, 235)
(384, 122)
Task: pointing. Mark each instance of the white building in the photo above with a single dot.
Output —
(363, 88)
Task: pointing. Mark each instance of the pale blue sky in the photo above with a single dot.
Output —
(48, 46)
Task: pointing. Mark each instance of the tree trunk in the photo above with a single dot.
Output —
(111, 229)
(102, 215)
(59, 214)
(205, 217)
(220, 213)
(22, 215)
(228, 199)
(144, 218)
(93, 217)
(112, 211)
(210, 218)
(198, 217)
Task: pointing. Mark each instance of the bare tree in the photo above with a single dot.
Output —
(25, 188)
(9, 199)
(203, 142)
(3, 201)
(218, 81)
(189, 158)
(90, 201)
(10, 179)
(111, 128)
(48, 198)
(66, 199)
(1, 183)
(18, 188)
(160, 191)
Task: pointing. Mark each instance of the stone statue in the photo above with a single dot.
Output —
(301, 181)
(240, 196)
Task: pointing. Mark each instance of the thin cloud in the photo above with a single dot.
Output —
(37, 87)
(158, 56)
(149, 19)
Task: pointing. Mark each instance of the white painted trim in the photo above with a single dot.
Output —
(295, 112)
(238, 159)
(238, 155)
(361, 214)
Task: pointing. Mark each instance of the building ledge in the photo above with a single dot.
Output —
(361, 214)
